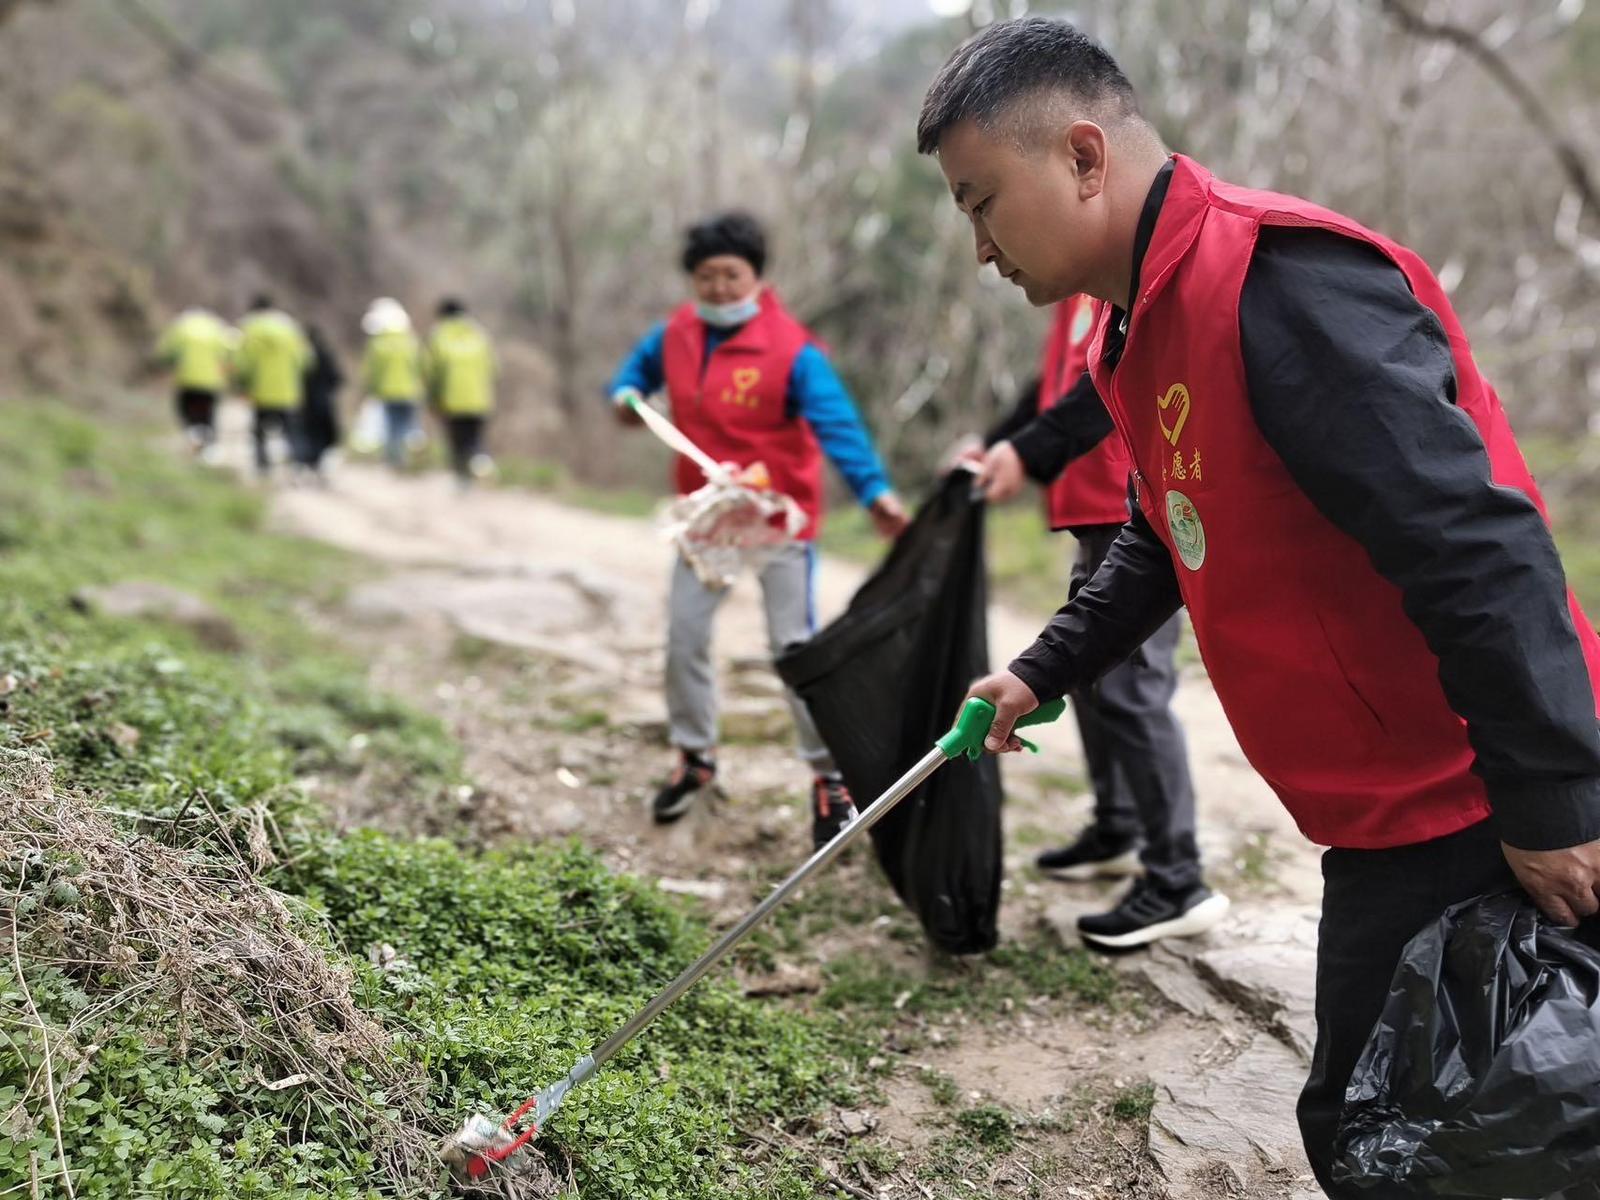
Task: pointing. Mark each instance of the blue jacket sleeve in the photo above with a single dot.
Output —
(642, 368)
(818, 396)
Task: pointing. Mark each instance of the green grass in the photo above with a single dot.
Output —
(517, 961)
(1134, 1103)
(989, 1125)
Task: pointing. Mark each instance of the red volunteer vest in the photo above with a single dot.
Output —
(1093, 490)
(1331, 689)
(736, 408)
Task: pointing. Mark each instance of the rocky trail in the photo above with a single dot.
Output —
(536, 631)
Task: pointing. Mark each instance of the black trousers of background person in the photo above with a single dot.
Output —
(1133, 745)
(197, 411)
(466, 440)
(1373, 903)
(268, 419)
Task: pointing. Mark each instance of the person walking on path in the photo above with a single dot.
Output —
(391, 372)
(317, 430)
(460, 369)
(273, 356)
(198, 348)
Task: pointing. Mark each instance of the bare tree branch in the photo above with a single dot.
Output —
(1573, 162)
(188, 62)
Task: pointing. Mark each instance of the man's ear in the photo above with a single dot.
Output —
(1085, 145)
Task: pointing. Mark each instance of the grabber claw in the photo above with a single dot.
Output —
(481, 1143)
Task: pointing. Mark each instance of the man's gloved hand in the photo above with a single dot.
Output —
(624, 410)
(889, 516)
(1561, 882)
(1001, 473)
(1012, 699)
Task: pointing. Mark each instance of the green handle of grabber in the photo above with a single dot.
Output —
(972, 726)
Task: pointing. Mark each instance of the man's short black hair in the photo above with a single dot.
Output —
(1011, 61)
(451, 306)
(726, 233)
(260, 302)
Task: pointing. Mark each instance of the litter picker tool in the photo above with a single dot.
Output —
(481, 1142)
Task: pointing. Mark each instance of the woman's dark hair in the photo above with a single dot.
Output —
(736, 233)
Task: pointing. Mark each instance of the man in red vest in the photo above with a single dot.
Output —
(1329, 484)
(1061, 436)
(749, 384)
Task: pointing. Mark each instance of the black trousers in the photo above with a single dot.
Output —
(1133, 745)
(197, 410)
(466, 440)
(1373, 902)
(268, 419)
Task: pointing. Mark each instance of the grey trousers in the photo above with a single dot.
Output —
(1133, 745)
(786, 594)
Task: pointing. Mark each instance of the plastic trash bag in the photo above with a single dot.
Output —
(730, 526)
(1482, 1077)
(367, 434)
(883, 682)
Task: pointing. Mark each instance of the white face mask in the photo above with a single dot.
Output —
(725, 316)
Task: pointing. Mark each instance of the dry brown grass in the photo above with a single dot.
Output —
(152, 928)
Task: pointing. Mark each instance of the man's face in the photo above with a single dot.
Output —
(1036, 215)
(723, 279)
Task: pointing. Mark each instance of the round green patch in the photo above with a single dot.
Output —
(1188, 535)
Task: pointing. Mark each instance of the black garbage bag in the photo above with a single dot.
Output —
(1482, 1077)
(884, 682)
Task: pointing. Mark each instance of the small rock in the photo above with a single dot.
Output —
(855, 1122)
(8, 684)
(143, 600)
(124, 736)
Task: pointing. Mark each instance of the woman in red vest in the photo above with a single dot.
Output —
(749, 384)
(1144, 820)
(1330, 485)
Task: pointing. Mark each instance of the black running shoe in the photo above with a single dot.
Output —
(831, 809)
(695, 773)
(1147, 913)
(1095, 855)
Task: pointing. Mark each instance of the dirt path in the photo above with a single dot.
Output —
(536, 630)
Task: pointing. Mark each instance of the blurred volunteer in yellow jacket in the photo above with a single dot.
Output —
(461, 368)
(391, 372)
(198, 349)
(273, 356)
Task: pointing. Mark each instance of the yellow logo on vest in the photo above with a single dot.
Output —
(1188, 534)
(741, 394)
(1175, 401)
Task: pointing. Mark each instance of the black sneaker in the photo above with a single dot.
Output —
(1095, 855)
(831, 809)
(1148, 913)
(695, 772)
